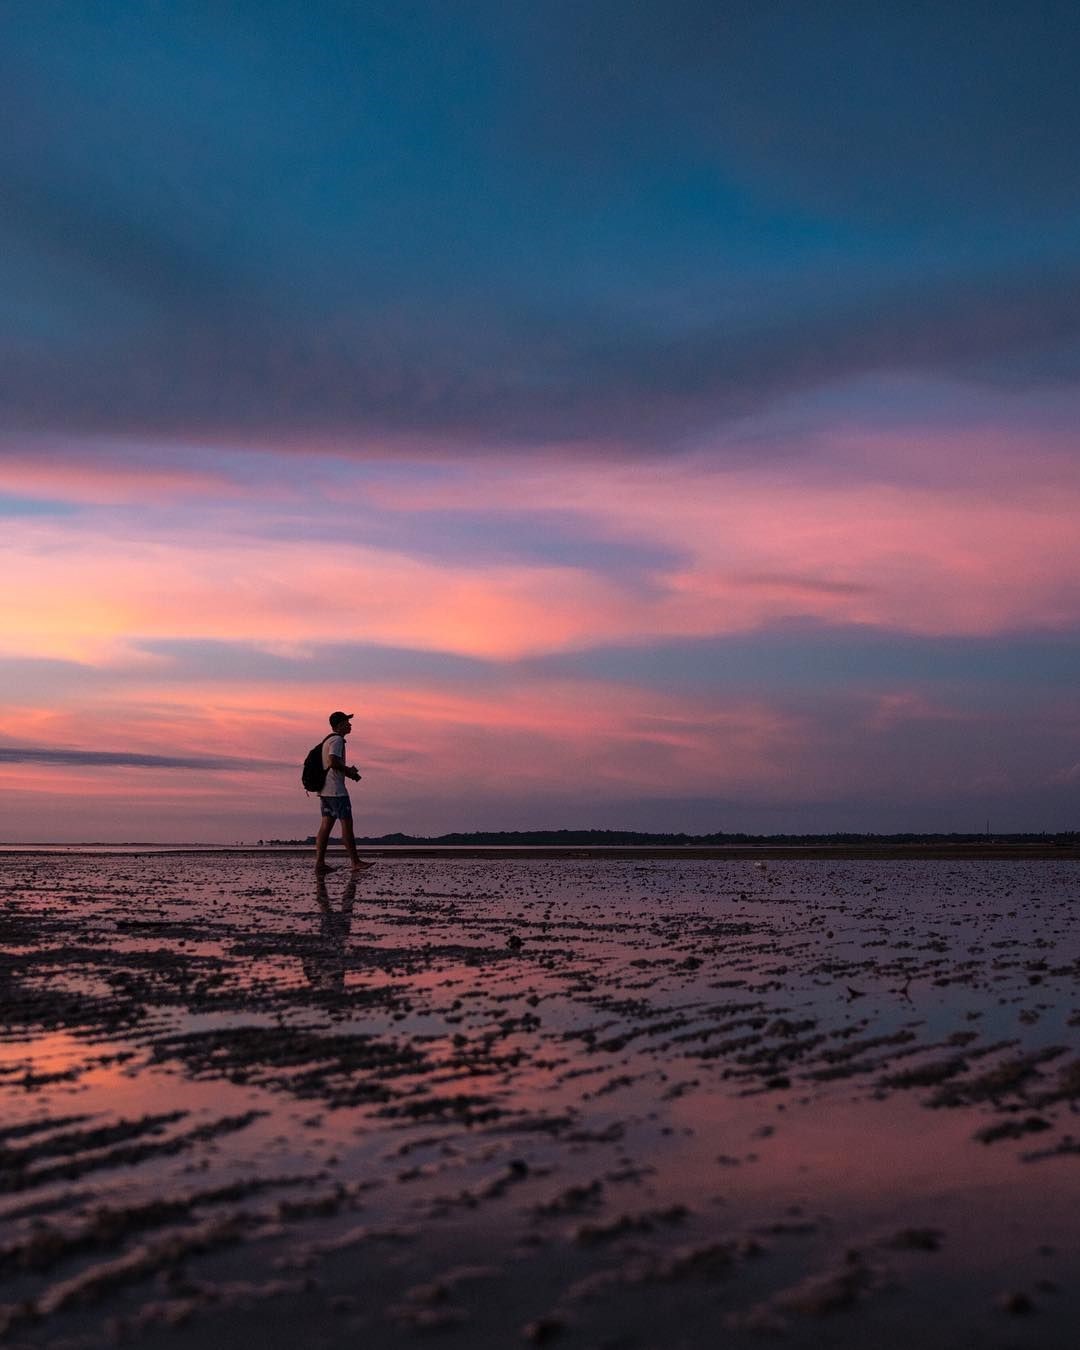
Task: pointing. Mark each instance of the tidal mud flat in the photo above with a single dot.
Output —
(621, 1103)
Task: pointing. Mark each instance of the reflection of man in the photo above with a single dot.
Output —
(334, 798)
(324, 965)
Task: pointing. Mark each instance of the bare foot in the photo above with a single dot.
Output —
(323, 868)
(360, 866)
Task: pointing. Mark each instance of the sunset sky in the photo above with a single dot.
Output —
(655, 416)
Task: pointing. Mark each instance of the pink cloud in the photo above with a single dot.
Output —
(435, 758)
(771, 543)
(755, 545)
(757, 548)
(533, 741)
(85, 594)
(107, 473)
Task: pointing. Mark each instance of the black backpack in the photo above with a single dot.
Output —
(313, 775)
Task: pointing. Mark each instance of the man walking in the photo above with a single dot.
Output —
(334, 797)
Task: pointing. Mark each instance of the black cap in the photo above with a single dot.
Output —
(337, 717)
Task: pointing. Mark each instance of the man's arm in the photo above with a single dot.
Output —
(336, 762)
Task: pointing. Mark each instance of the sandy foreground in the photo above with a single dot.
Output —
(509, 1101)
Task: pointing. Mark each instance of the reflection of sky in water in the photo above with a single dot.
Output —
(710, 1034)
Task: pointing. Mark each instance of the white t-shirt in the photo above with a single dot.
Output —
(335, 783)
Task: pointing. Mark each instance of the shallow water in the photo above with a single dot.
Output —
(592, 1103)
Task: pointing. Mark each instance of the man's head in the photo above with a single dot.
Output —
(341, 723)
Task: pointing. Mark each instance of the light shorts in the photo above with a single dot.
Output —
(337, 808)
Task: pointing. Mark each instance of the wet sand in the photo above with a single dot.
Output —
(592, 1102)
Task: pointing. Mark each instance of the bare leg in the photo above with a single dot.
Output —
(326, 824)
(348, 838)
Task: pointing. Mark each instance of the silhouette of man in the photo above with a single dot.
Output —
(334, 801)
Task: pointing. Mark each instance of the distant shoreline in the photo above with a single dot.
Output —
(881, 852)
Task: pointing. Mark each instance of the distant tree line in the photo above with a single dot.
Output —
(643, 838)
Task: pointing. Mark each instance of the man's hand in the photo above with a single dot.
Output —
(354, 774)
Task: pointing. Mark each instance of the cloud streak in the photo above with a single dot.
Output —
(17, 754)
